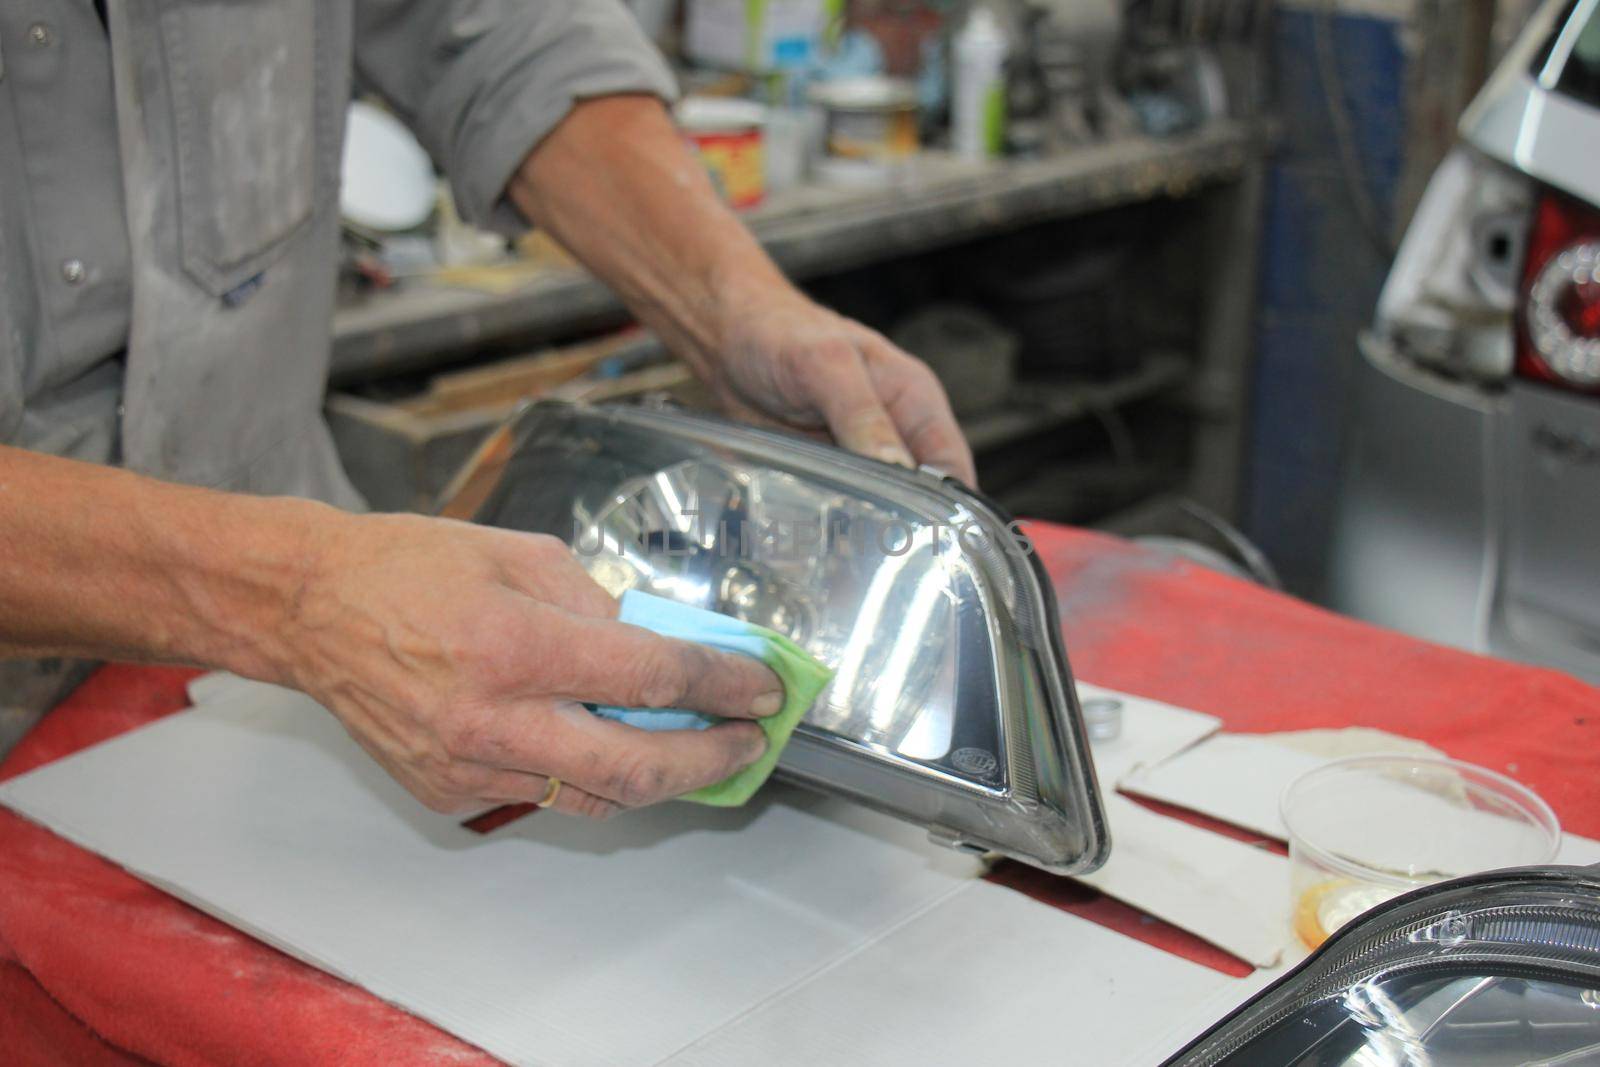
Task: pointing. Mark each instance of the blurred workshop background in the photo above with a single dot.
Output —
(1137, 239)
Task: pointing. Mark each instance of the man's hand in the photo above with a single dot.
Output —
(459, 655)
(616, 184)
(786, 359)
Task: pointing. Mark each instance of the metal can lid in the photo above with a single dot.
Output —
(866, 93)
(719, 114)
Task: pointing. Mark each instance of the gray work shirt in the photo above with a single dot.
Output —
(169, 211)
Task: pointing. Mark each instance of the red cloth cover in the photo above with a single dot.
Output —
(97, 967)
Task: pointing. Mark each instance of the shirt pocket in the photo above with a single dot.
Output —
(252, 85)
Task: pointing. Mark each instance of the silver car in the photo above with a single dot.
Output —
(1470, 511)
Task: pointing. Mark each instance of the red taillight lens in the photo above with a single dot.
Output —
(1558, 331)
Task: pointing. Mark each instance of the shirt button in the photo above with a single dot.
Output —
(73, 271)
(39, 35)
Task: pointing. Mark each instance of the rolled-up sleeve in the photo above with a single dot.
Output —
(482, 82)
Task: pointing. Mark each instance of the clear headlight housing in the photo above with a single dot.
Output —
(1500, 968)
(952, 704)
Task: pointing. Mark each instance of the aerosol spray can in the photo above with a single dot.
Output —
(978, 106)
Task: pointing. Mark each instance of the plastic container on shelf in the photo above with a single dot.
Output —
(978, 101)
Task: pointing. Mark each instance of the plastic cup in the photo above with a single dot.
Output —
(1369, 828)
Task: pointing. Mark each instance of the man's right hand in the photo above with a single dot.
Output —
(459, 657)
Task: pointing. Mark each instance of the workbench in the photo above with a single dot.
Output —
(98, 967)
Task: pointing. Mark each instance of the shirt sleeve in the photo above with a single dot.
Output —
(481, 82)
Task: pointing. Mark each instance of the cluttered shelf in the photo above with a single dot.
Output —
(402, 451)
(810, 230)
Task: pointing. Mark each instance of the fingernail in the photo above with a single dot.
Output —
(898, 456)
(757, 748)
(767, 704)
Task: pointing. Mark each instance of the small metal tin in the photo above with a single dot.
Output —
(871, 120)
(1102, 717)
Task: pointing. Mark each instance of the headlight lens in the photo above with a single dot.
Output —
(1501, 968)
(951, 705)
(831, 571)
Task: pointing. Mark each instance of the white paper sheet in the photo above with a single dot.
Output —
(531, 942)
(1151, 732)
(1578, 851)
(218, 685)
(987, 976)
(1230, 894)
(1239, 779)
(795, 927)
(1214, 887)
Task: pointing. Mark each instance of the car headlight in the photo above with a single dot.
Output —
(1499, 968)
(952, 704)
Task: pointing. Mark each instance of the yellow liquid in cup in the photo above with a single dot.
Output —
(1328, 905)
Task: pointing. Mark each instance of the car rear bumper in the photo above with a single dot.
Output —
(1412, 545)
(1471, 516)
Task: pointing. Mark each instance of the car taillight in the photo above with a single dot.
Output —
(1558, 335)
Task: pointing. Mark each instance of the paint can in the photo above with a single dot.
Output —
(870, 122)
(727, 134)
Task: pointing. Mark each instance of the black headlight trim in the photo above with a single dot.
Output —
(1356, 953)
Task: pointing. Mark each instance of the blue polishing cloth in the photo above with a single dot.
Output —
(803, 679)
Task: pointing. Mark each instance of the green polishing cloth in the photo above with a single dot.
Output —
(803, 680)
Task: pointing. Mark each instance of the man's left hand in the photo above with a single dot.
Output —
(788, 360)
(617, 184)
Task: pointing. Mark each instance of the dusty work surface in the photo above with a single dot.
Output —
(93, 962)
